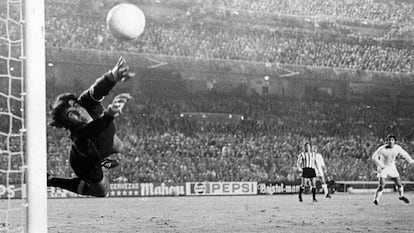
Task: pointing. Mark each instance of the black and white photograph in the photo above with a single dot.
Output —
(206, 116)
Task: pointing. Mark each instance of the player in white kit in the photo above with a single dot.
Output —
(320, 168)
(384, 157)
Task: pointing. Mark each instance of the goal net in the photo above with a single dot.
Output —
(22, 117)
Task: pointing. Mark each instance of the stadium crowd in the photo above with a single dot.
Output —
(380, 10)
(371, 10)
(164, 146)
(197, 35)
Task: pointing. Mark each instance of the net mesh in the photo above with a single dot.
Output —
(13, 202)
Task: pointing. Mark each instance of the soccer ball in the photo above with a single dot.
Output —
(125, 21)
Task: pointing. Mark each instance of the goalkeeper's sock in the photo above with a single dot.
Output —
(75, 185)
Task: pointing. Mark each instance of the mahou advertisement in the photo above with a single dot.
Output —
(129, 190)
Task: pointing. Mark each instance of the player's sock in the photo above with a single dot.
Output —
(300, 193)
(378, 195)
(325, 189)
(401, 191)
(314, 193)
(75, 185)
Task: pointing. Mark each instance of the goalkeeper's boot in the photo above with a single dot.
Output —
(404, 199)
(109, 163)
(328, 196)
(375, 202)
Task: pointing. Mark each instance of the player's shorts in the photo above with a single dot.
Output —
(388, 172)
(319, 173)
(88, 168)
(308, 172)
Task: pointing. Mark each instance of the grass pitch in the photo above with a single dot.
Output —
(277, 213)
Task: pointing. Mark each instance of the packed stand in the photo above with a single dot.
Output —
(195, 35)
(370, 10)
(164, 146)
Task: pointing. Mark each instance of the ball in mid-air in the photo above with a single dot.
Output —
(125, 21)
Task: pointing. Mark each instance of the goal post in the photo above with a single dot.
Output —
(35, 115)
(23, 145)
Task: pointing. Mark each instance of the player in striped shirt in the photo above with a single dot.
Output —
(384, 157)
(306, 163)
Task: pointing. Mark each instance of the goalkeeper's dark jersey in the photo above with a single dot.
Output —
(93, 141)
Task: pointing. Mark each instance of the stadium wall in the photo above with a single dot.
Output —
(75, 69)
(236, 188)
